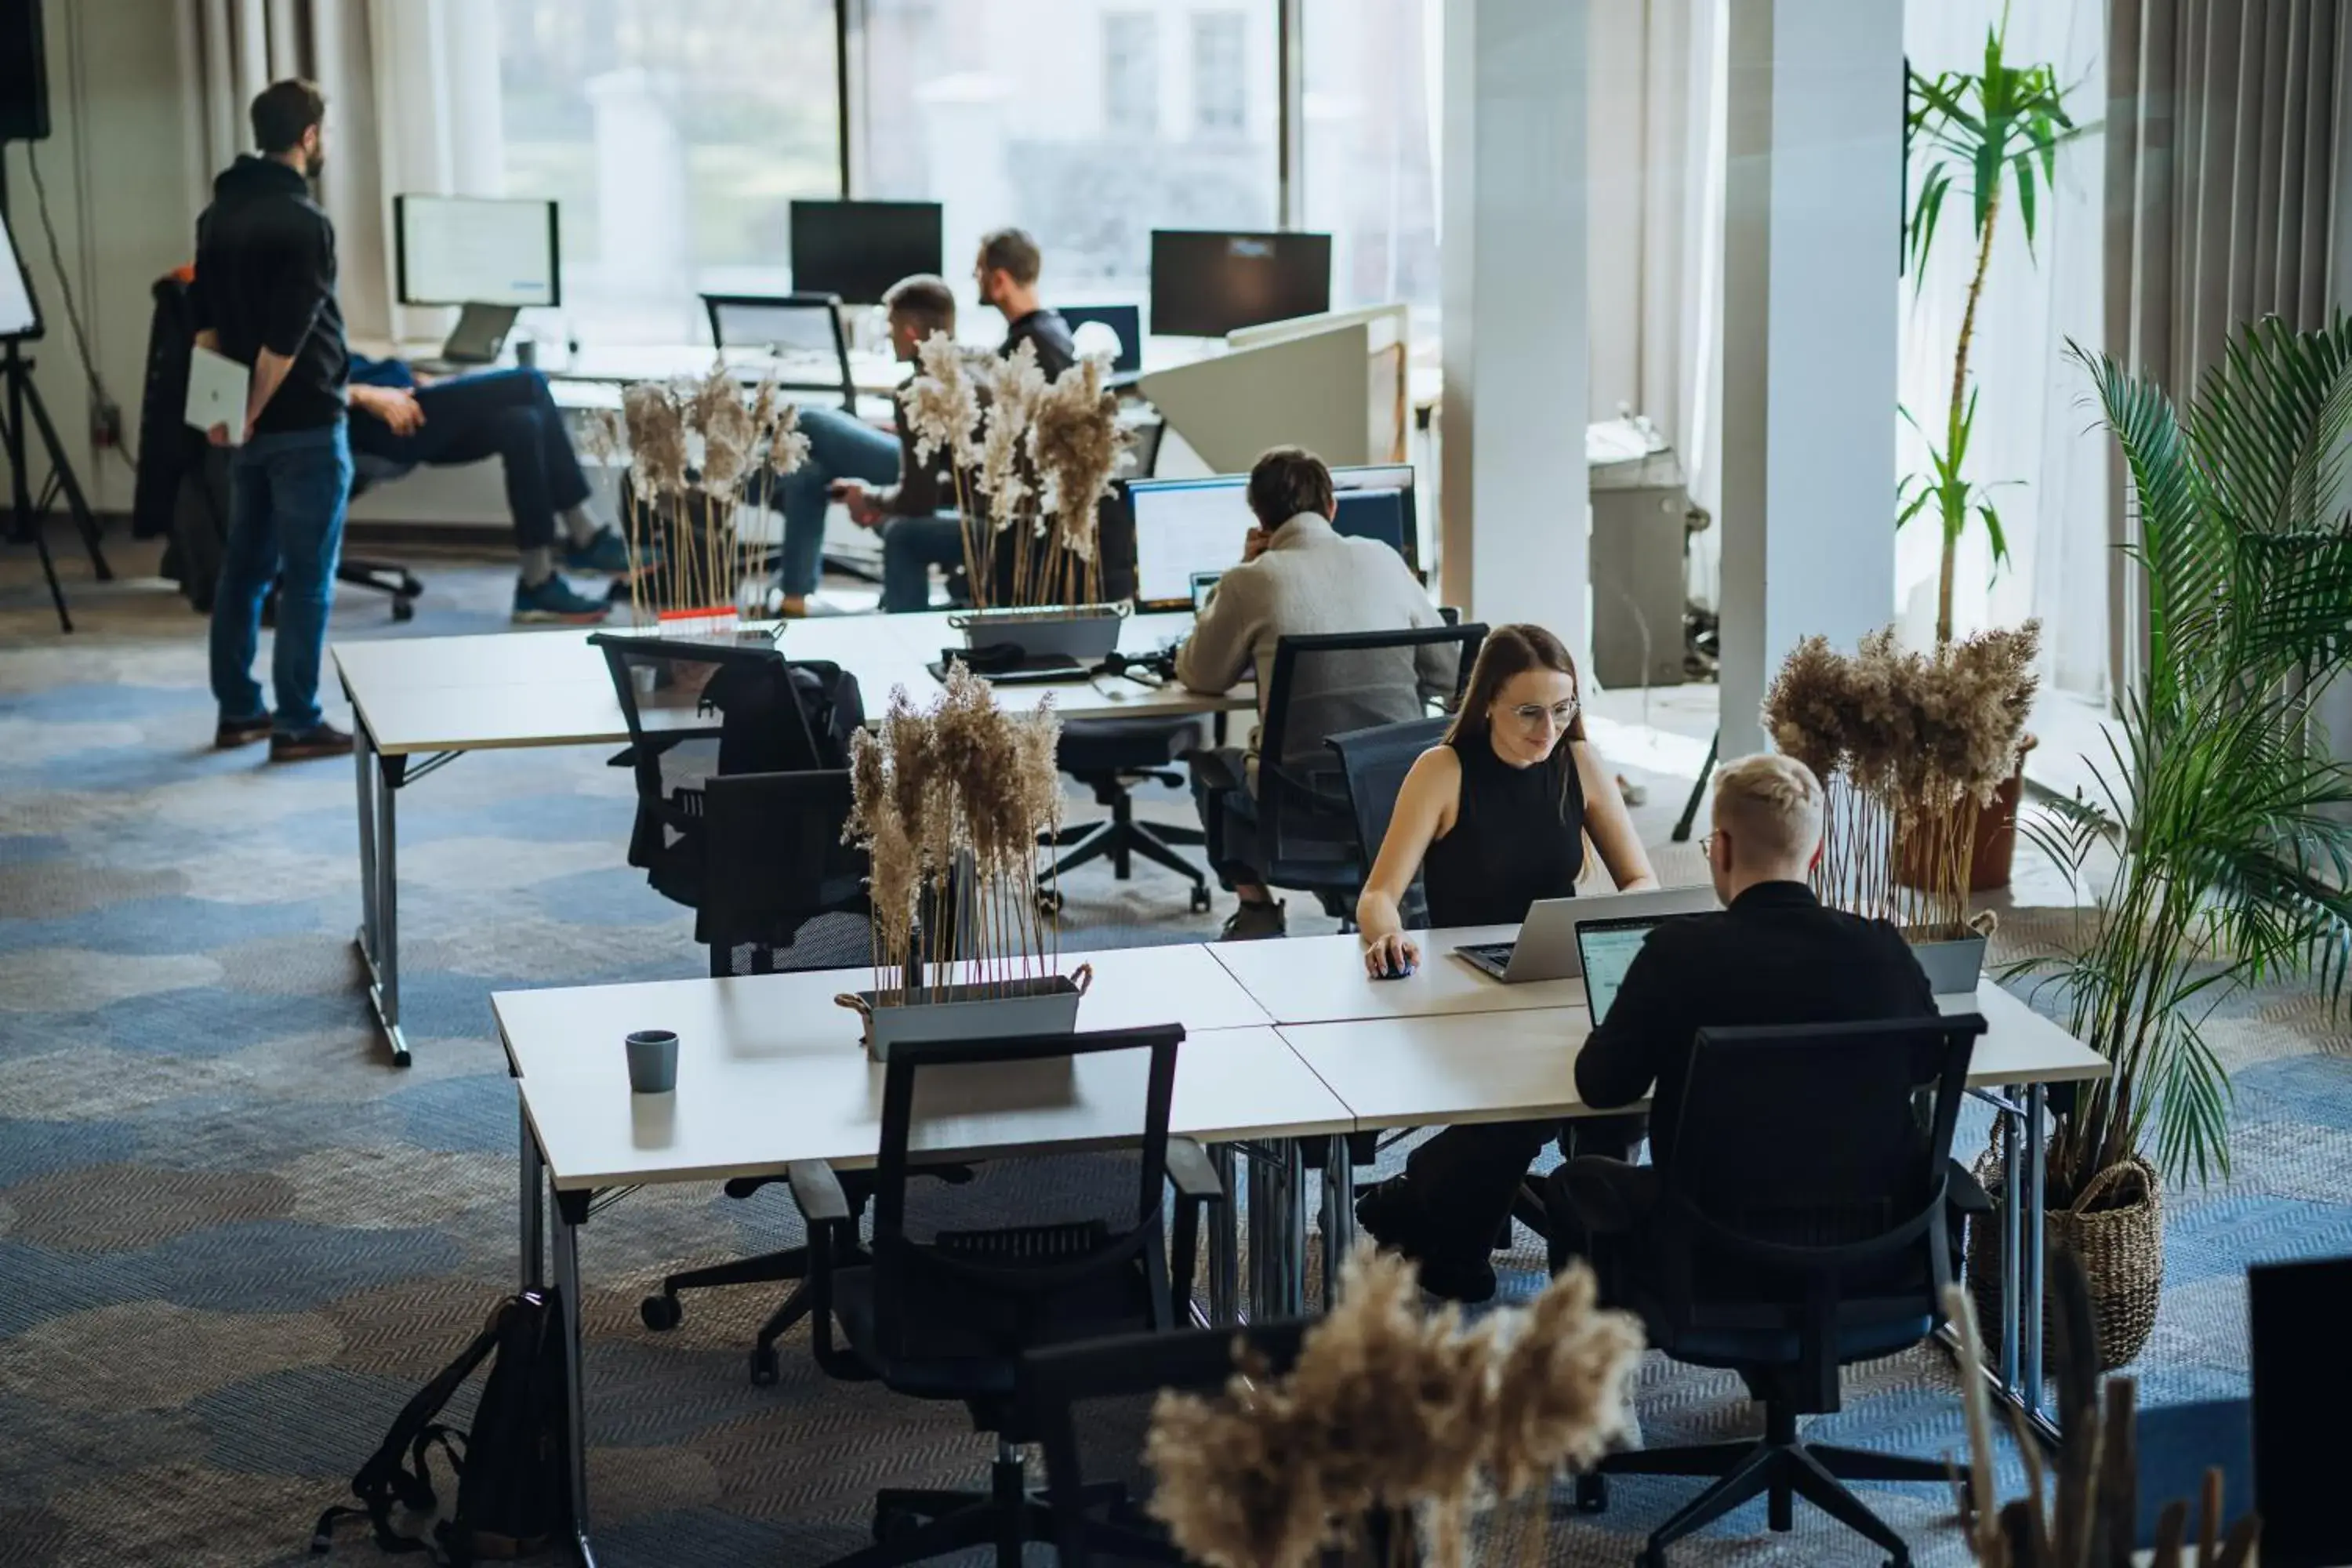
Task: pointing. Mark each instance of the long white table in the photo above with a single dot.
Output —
(1286, 1043)
(418, 703)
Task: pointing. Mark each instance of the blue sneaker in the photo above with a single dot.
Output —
(608, 552)
(554, 600)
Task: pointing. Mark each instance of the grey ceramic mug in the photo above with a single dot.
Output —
(652, 1061)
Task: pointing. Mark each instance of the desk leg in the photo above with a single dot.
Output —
(1292, 1300)
(383, 932)
(2028, 1331)
(571, 1213)
(1259, 1226)
(532, 1208)
(363, 759)
(1225, 1253)
(1338, 1216)
(2013, 1206)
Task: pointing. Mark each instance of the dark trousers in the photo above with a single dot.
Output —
(1228, 818)
(506, 413)
(286, 491)
(1466, 1178)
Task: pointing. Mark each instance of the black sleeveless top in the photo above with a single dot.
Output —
(1518, 835)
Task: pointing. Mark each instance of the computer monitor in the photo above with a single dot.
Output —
(857, 249)
(1204, 284)
(1185, 527)
(477, 251)
(1606, 949)
(1122, 323)
(2301, 1366)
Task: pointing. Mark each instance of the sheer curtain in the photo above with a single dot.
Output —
(412, 105)
(2032, 436)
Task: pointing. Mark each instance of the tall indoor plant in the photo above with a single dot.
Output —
(2225, 803)
(1987, 131)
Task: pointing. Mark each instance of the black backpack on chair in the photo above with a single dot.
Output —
(511, 1499)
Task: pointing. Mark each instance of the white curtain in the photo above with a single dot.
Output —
(412, 105)
(2033, 438)
(1656, 137)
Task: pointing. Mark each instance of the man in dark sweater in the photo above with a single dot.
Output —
(264, 296)
(1771, 955)
(1006, 273)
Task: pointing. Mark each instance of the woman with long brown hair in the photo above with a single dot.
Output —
(1493, 817)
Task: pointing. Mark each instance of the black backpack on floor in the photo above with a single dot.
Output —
(510, 1470)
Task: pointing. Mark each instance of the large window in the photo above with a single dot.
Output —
(675, 133)
(1090, 123)
(1370, 148)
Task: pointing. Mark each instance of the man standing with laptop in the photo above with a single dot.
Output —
(264, 296)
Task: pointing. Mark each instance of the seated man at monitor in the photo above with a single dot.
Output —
(1298, 577)
(1773, 954)
(1006, 273)
(400, 421)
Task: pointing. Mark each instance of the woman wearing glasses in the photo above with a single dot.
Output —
(1493, 818)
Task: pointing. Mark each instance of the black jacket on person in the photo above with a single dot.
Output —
(1056, 350)
(266, 280)
(1774, 956)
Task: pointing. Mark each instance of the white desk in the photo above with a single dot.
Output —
(420, 702)
(1321, 979)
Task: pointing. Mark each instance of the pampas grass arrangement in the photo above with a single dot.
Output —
(950, 804)
(1909, 747)
(695, 449)
(1029, 460)
(1394, 1409)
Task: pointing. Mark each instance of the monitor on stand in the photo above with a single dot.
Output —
(857, 249)
(20, 403)
(1206, 284)
(493, 258)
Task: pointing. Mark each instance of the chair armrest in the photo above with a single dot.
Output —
(1195, 1177)
(818, 1192)
(1215, 770)
(1964, 1192)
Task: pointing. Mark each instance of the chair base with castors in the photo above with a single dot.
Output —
(382, 577)
(1780, 1467)
(1111, 756)
(1121, 838)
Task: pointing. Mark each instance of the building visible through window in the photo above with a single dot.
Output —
(1131, 72)
(1220, 73)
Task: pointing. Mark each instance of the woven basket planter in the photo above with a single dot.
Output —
(2120, 1242)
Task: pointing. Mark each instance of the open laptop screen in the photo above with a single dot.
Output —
(1608, 948)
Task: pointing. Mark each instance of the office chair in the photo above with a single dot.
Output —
(785, 324)
(1111, 756)
(1798, 1225)
(1306, 838)
(1090, 1406)
(934, 1308)
(1373, 765)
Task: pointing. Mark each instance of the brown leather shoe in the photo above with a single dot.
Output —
(322, 740)
(231, 733)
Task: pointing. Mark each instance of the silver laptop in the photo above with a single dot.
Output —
(1546, 949)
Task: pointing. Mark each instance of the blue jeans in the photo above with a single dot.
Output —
(287, 494)
(506, 413)
(911, 546)
(841, 447)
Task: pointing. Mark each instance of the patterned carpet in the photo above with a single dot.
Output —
(233, 1239)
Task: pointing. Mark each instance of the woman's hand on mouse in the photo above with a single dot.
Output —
(1390, 954)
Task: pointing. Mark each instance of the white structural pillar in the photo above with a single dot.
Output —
(1811, 294)
(1516, 521)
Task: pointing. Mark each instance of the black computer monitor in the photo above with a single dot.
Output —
(1125, 322)
(1188, 528)
(477, 251)
(857, 249)
(1385, 515)
(2303, 1384)
(1204, 285)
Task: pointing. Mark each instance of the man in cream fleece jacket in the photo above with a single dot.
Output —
(1298, 577)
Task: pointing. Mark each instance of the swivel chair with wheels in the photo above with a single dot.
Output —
(1796, 1226)
(1111, 756)
(936, 1308)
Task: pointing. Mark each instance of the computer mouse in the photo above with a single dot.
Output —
(1395, 971)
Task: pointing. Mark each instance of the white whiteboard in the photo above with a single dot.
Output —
(17, 316)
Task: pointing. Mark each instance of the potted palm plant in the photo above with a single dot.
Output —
(2223, 802)
(1986, 133)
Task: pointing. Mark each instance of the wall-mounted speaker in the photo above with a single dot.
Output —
(24, 73)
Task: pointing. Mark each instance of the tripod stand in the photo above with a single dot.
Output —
(23, 398)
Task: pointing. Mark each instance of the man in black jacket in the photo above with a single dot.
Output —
(1006, 274)
(264, 296)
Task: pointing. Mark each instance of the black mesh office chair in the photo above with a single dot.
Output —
(1046, 1249)
(1111, 756)
(1373, 765)
(1090, 1407)
(1306, 836)
(807, 326)
(1796, 1226)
